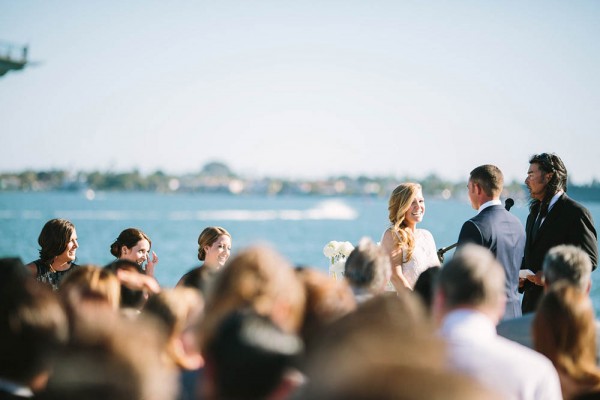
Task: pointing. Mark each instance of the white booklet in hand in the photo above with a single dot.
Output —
(524, 273)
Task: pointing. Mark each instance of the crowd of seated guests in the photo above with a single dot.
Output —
(258, 327)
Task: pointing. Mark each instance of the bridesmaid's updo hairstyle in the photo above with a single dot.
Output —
(208, 237)
(129, 237)
(54, 238)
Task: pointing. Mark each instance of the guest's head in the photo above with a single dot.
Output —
(12, 272)
(214, 246)
(564, 330)
(425, 284)
(368, 267)
(248, 357)
(33, 328)
(472, 279)
(112, 357)
(546, 175)
(58, 240)
(386, 349)
(568, 263)
(258, 278)
(90, 282)
(133, 245)
(485, 183)
(179, 311)
(327, 300)
(132, 279)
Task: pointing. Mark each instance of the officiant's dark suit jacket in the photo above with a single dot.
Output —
(503, 233)
(567, 222)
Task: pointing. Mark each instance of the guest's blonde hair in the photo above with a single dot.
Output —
(399, 204)
(176, 308)
(92, 282)
(564, 330)
(258, 278)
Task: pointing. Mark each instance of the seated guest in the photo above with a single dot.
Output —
(179, 310)
(326, 300)
(112, 357)
(90, 281)
(386, 349)
(368, 270)
(136, 286)
(33, 327)
(58, 248)
(424, 285)
(469, 300)
(563, 263)
(564, 330)
(250, 357)
(258, 278)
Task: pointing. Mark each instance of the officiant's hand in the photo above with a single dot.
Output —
(538, 278)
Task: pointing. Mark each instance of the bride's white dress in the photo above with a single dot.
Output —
(423, 257)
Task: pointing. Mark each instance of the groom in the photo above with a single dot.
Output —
(497, 229)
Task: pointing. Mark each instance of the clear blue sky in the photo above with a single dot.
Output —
(303, 88)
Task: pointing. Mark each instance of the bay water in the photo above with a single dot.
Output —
(296, 226)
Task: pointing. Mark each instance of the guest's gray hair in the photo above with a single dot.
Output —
(568, 263)
(368, 266)
(473, 277)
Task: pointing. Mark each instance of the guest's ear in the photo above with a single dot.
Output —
(438, 306)
(589, 287)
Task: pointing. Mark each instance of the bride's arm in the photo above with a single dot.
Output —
(395, 254)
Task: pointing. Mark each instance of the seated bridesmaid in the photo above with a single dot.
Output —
(58, 248)
(134, 245)
(214, 249)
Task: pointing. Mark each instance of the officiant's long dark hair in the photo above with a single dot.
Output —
(549, 163)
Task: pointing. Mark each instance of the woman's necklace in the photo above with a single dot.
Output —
(51, 269)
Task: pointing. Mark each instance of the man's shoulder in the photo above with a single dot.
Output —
(571, 204)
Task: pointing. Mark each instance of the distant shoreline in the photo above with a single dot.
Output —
(218, 178)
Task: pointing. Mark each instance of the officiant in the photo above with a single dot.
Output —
(554, 218)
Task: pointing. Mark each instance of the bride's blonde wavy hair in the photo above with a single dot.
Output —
(399, 204)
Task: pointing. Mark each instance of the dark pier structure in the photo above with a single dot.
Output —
(12, 57)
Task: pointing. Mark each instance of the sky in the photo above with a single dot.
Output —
(302, 89)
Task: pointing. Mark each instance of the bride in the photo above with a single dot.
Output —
(411, 250)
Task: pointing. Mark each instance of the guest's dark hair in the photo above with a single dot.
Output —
(33, 328)
(54, 238)
(250, 355)
(129, 238)
(490, 178)
(425, 284)
(549, 163)
(129, 297)
(208, 236)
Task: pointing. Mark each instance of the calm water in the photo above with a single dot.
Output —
(298, 227)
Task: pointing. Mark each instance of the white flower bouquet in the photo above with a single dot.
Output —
(337, 252)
